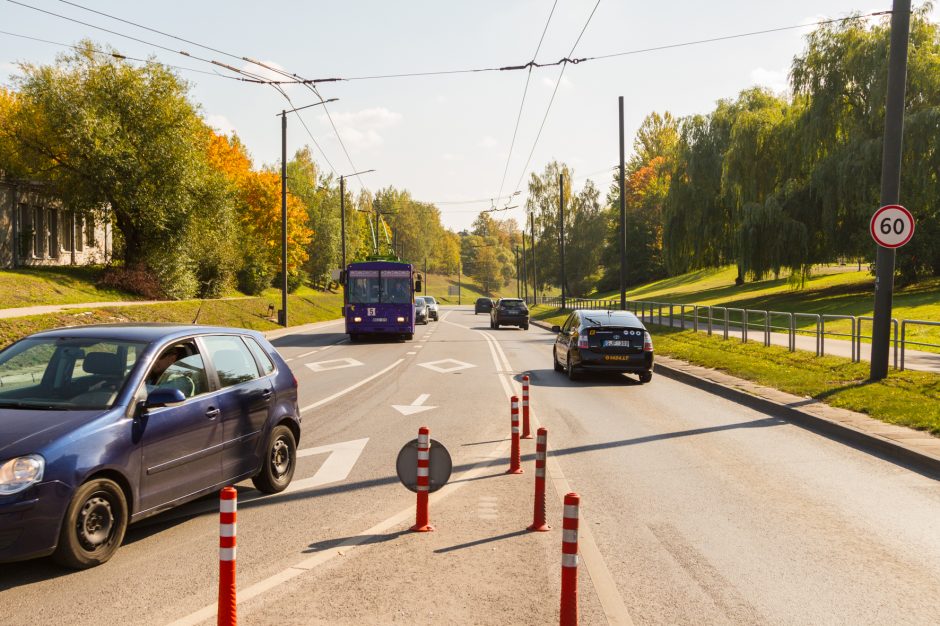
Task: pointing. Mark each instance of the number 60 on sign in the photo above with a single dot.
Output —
(892, 226)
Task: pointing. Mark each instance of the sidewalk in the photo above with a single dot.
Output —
(42, 309)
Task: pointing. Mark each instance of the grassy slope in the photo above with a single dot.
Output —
(54, 285)
(831, 290)
(304, 306)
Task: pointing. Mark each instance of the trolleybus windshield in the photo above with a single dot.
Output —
(374, 286)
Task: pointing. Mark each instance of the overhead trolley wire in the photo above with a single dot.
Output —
(525, 91)
(118, 55)
(551, 101)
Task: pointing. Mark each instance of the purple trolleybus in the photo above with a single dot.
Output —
(379, 299)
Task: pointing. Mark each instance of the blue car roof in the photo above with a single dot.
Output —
(139, 332)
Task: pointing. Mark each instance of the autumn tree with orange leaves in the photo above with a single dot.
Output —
(257, 196)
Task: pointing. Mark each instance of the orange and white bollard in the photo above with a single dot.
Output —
(228, 505)
(515, 456)
(422, 523)
(538, 515)
(569, 562)
(525, 408)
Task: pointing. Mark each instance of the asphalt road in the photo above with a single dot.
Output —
(702, 511)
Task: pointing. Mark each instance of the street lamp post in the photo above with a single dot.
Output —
(282, 318)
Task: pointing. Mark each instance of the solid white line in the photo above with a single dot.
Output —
(264, 585)
(611, 601)
(351, 387)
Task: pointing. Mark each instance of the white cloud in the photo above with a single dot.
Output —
(776, 80)
(221, 124)
(360, 129)
(448, 156)
(488, 142)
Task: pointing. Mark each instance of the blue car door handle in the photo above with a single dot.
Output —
(266, 394)
(212, 413)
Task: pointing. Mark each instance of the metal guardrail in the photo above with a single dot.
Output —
(718, 317)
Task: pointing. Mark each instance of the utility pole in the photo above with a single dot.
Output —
(525, 273)
(535, 274)
(561, 239)
(282, 317)
(458, 282)
(425, 274)
(623, 221)
(890, 183)
(515, 252)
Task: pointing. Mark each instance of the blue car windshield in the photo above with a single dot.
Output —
(65, 373)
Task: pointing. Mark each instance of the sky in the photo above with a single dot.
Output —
(446, 138)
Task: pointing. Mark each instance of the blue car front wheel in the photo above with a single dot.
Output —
(94, 525)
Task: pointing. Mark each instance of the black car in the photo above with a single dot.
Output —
(483, 305)
(102, 426)
(603, 341)
(509, 312)
(421, 311)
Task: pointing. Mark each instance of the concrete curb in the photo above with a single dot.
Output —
(296, 330)
(889, 449)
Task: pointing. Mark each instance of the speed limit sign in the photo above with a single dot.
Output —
(892, 226)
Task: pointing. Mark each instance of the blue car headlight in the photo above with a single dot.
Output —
(18, 474)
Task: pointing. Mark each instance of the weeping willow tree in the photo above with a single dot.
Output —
(773, 183)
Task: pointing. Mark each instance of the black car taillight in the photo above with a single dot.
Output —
(647, 342)
(583, 342)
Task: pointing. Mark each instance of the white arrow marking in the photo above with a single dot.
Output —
(336, 467)
(415, 407)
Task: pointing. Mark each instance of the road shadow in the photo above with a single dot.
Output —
(307, 340)
(13, 575)
(357, 540)
(480, 542)
(551, 378)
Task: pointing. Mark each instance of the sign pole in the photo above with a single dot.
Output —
(890, 184)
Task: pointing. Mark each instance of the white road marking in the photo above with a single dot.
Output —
(333, 364)
(487, 508)
(336, 467)
(439, 366)
(415, 407)
(410, 353)
(611, 601)
(309, 563)
(351, 387)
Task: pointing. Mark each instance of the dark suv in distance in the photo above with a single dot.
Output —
(483, 305)
(603, 341)
(509, 312)
(102, 426)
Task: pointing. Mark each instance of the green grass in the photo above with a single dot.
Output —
(908, 398)
(832, 290)
(305, 306)
(54, 285)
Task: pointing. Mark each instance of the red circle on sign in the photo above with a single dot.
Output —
(891, 242)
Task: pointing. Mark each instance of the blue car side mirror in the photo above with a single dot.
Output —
(164, 397)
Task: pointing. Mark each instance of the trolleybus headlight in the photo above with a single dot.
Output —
(357, 319)
(401, 319)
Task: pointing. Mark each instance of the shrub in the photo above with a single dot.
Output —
(136, 279)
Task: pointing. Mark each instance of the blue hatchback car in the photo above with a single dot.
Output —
(101, 426)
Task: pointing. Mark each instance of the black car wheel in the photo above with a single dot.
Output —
(645, 377)
(94, 525)
(558, 367)
(280, 458)
(525, 326)
(572, 374)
